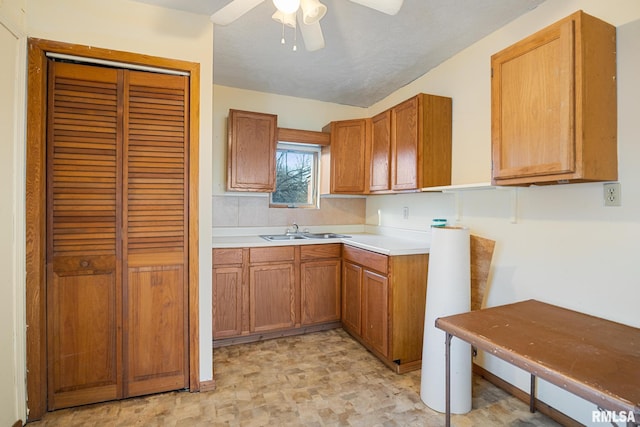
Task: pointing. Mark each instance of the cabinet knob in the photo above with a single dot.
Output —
(84, 263)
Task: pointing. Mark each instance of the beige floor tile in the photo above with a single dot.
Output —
(320, 379)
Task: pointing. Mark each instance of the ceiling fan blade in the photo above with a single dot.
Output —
(390, 7)
(233, 11)
(311, 34)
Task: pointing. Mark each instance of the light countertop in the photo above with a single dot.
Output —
(380, 241)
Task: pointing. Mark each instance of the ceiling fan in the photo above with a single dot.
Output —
(307, 13)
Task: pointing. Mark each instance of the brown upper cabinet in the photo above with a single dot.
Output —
(554, 108)
(251, 153)
(381, 152)
(420, 143)
(350, 156)
(405, 148)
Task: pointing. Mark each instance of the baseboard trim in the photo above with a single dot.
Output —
(223, 342)
(209, 385)
(541, 407)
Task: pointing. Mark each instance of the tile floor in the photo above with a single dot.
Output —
(320, 379)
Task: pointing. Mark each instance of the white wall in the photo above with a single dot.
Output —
(564, 247)
(12, 336)
(136, 27)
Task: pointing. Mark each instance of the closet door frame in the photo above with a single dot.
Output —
(36, 175)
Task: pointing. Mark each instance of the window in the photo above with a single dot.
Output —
(297, 176)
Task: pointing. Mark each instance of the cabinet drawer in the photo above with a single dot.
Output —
(368, 259)
(282, 253)
(227, 256)
(320, 251)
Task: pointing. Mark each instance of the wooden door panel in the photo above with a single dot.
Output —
(404, 145)
(380, 151)
(272, 297)
(155, 353)
(227, 302)
(83, 218)
(533, 106)
(349, 157)
(155, 205)
(320, 291)
(352, 297)
(375, 312)
(252, 151)
(83, 333)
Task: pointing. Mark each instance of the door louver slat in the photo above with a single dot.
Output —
(156, 147)
(83, 165)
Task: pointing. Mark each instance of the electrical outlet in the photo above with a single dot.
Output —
(612, 194)
(405, 212)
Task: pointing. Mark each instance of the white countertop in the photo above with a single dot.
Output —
(380, 241)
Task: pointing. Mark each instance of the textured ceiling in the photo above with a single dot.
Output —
(367, 54)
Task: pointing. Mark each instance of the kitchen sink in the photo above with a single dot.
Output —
(300, 236)
(274, 237)
(324, 236)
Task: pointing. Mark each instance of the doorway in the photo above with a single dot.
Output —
(127, 289)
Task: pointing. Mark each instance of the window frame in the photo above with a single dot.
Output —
(316, 150)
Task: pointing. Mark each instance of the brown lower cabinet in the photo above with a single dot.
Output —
(274, 291)
(383, 302)
(284, 290)
(229, 271)
(320, 283)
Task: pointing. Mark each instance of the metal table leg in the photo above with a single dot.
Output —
(447, 379)
(532, 396)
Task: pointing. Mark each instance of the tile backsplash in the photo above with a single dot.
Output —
(254, 211)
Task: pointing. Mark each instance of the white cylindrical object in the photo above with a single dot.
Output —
(448, 293)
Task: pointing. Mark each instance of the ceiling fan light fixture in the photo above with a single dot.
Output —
(287, 6)
(312, 11)
(288, 19)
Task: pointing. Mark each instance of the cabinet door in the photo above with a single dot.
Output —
(352, 297)
(349, 157)
(271, 297)
(320, 291)
(227, 302)
(405, 145)
(375, 328)
(554, 105)
(380, 151)
(251, 151)
(533, 105)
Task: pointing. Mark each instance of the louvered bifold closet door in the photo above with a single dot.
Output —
(84, 285)
(155, 232)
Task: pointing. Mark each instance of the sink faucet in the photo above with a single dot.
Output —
(295, 229)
